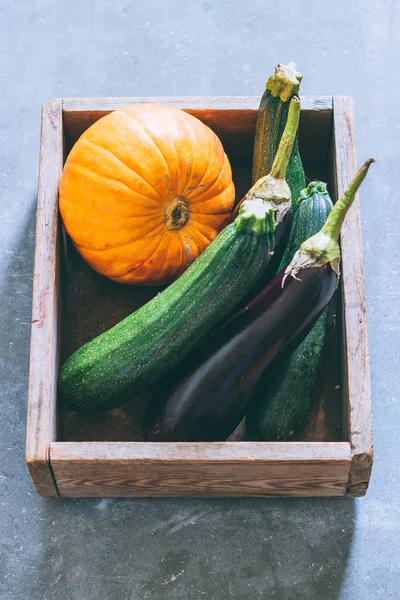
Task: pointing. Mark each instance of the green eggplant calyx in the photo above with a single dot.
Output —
(282, 157)
(256, 217)
(323, 247)
(317, 251)
(315, 187)
(285, 82)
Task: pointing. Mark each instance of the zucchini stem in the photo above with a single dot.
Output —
(256, 217)
(282, 157)
(314, 187)
(335, 220)
(285, 82)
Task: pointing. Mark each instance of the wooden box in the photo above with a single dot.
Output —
(72, 456)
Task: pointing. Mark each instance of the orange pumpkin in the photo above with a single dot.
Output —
(143, 192)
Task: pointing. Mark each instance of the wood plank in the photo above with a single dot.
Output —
(72, 106)
(230, 117)
(232, 114)
(41, 428)
(355, 320)
(101, 469)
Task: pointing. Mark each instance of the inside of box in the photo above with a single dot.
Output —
(92, 304)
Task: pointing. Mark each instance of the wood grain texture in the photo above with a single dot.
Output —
(41, 428)
(106, 105)
(355, 320)
(101, 469)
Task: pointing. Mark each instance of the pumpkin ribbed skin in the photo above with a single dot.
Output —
(144, 191)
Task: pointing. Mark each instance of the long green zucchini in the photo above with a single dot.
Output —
(283, 393)
(281, 87)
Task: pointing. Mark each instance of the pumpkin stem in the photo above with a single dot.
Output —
(176, 213)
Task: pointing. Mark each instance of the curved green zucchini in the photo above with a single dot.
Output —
(110, 369)
(271, 121)
(283, 393)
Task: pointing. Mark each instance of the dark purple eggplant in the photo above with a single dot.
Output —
(206, 396)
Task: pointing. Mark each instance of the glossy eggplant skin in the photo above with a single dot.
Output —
(282, 233)
(207, 396)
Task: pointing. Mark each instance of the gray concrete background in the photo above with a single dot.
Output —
(194, 549)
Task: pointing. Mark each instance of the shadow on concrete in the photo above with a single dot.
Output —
(196, 548)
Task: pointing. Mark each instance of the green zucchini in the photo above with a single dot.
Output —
(283, 393)
(313, 206)
(271, 120)
(110, 369)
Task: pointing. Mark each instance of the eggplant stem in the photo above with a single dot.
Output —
(282, 157)
(323, 247)
(335, 219)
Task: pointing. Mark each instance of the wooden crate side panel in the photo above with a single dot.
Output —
(75, 108)
(355, 320)
(232, 118)
(219, 469)
(41, 427)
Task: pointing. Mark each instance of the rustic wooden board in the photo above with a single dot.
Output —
(93, 104)
(122, 466)
(231, 117)
(101, 469)
(43, 371)
(355, 320)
